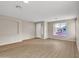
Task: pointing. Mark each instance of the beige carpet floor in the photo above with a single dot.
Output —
(39, 48)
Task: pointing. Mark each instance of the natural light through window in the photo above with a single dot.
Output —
(60, 29)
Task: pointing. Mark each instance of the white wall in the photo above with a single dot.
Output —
(77, 32)
(28, 30)
(14, 30)
(71, 30)
(45, 30)
(39, 33)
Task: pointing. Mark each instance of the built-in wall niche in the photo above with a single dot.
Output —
(8, 27)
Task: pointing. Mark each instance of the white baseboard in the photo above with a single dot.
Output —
(6, 43)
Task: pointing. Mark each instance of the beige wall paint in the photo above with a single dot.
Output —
(71, 30)
(14, 30)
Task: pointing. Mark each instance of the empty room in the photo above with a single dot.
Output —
(39, 29)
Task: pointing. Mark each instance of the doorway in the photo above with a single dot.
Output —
(39, 30)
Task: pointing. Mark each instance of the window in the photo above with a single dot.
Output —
(60, 29)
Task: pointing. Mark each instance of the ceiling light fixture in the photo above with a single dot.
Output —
(25, 1)
(17, 6)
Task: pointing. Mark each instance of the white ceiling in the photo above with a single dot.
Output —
(39, 11)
